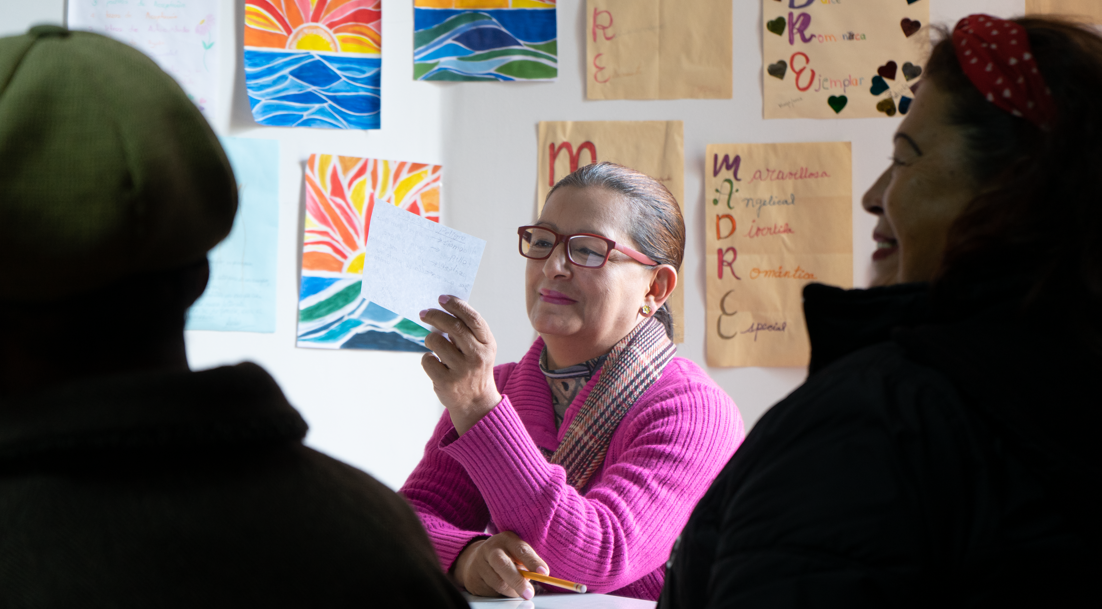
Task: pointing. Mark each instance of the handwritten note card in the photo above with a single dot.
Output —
(658, 49)
(655, 148)
(241, 293)
(409, 262)
(778, 216)
(835, 59)
(180, 35)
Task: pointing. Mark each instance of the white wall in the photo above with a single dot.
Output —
(376, 409)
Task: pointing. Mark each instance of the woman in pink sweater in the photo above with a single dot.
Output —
(585, 458)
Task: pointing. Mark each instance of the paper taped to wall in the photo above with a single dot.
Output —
(241, 294)
(658, 49)
(409, 262)
(341, 191)
(858, 59)
(777, 217)
(181, 37)
(1087, 10)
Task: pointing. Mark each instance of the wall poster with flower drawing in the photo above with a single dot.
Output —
(314, 63)
(181, 36)
(834, 59)
(341, 192)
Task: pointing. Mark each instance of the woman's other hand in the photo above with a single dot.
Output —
(489, 567)
(461, 364)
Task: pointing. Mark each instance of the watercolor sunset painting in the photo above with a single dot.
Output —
(341, 191)
(314, 63)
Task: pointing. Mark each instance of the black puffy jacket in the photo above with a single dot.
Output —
(939, 454)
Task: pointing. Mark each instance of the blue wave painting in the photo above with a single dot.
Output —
(333, 315)
(310, 89)
(485, 45)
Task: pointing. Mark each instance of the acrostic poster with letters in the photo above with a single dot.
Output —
(842, 59)
(778, 216)
(658, 49)
(1088, 10)
(655, 148)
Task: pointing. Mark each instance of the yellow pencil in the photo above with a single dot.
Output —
(554, 581)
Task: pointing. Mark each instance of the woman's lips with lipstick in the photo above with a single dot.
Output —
(884, 246)
(554, 297)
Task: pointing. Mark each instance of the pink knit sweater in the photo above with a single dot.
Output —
(617, 536)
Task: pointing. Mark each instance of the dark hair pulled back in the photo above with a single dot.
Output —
(657, 227)
(1039, 214)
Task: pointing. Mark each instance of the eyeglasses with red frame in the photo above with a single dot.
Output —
(582, 249)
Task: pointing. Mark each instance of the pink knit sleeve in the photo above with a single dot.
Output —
(444, 496)
(446, 499)
(624, 526)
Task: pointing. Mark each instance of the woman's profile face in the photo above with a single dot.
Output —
(924, 190)
(586, 306)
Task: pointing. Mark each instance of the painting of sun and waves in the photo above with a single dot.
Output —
(341, 191)
(314, 63)
(489, 40)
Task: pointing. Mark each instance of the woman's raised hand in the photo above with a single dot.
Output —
(489, 567)
(461, 364)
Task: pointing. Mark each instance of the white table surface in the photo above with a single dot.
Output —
(561, 601)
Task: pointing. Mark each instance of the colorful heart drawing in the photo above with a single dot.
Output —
(909, 27)
(777, 70)
(878, 85)
(776, 26)
(888, 70)
(838, 102)
(904, 104)
(887, 106)
(911, 71)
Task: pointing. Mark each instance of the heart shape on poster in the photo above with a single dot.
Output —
(888, 70)
(911, 71)
(904, 104)
(838, 102)
(878, 85)
(776, 26)
(777, 70)
(887, 106)
(910, 27)
(911, 1)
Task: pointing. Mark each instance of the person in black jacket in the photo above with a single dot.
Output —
(941, 451)
(126, 479)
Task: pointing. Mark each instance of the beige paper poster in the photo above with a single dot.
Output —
(1090, 10)
(658, 49)
(835, 59)
(778, 216)
(655, 148)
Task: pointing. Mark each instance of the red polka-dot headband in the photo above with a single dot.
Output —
(996, 57)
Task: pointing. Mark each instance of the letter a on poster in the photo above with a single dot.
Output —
(777, 217)
(835, 59)
(655, 148)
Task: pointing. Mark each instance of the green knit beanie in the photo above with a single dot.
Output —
(107, 169)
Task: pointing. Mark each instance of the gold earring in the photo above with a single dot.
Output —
(646, 309)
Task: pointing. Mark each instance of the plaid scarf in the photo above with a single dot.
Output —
(633, 365)
(566, 384)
